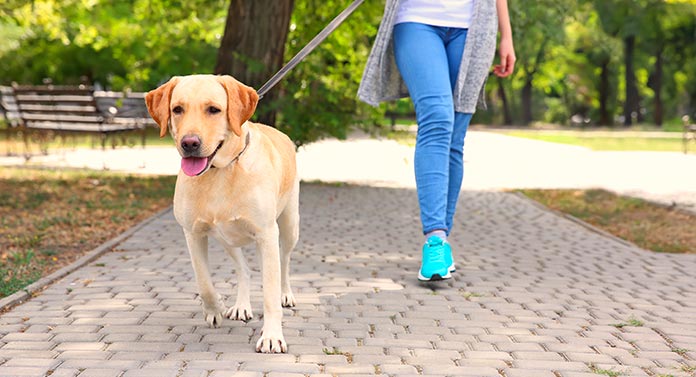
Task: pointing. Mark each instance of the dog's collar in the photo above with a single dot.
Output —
(246, 144)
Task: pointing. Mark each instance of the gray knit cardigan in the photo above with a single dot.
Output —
(382, 81)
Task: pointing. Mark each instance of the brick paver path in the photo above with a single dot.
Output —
(534, 295)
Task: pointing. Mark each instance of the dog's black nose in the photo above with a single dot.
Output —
(190, 144)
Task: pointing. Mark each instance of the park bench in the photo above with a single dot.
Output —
(50, 110)
(127, 109)
(9, 108)
(689, 133)
(9, 111)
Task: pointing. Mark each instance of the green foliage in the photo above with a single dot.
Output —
(123, 44)
(563, 47)
(319, 95)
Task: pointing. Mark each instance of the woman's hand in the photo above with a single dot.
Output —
(505, 50)
(507, 58)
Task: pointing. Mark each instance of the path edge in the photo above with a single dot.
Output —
(27, 292)
(580, 222)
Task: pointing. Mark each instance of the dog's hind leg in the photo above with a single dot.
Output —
(289, 228)
(242, 306)
(213, 306)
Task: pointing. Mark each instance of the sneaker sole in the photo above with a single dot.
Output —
(435, 277)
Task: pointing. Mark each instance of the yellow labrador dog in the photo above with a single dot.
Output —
(237, 183)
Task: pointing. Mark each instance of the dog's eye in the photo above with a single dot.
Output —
(213, 110)
(178, 110)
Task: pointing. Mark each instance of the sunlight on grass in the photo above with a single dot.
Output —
(617, 142)
(13, 144)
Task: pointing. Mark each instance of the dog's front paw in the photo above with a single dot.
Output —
(288, 300)
(240, 313)
(272, 342)
(214, 312)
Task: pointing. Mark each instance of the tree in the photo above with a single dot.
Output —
(594, 57)
(319, 96)
(536, 27)
(253, 45)
(670, 39)
(626, 19)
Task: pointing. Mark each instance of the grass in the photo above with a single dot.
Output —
(49, 219)
(335, 351)
(402, 137)
(595, 140)
(647, 225)
(611, 141)
(13, 144)
(606, 372)
(632, 322)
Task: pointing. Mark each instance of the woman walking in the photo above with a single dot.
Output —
(438, 52)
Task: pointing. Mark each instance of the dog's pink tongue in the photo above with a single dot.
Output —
(193, 165)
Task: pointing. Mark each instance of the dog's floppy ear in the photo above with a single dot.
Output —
(241, 102)
(157, 102)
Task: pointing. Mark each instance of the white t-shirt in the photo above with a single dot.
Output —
(447, 13)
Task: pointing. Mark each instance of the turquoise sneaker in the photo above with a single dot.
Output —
(448, 258)
(434, 266)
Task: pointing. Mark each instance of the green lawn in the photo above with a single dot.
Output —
(669, 142)
(50, 218)
(645, 224)
(595, 140)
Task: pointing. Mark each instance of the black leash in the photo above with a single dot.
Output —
(309, 47)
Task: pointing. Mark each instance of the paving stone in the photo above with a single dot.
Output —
(528, 373)
(29, 345)
(22, 371)
(100, 372)
(36, 363)
(151, 373)
(534, 295)
(141, 356)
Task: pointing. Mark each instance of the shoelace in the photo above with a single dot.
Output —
(436, 251)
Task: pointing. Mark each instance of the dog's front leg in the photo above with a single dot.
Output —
(272, 340)
(242, 306)
(213, 306)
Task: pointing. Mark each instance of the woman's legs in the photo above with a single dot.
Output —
(428, 58)
(456, 165)
(421, 57)
(455, 49)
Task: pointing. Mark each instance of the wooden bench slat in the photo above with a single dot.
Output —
(88, 109)
(62, 118)
(57, 126)
(82, 127)
(54, 98)
(53, 89)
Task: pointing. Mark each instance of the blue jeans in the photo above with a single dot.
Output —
(428, 58)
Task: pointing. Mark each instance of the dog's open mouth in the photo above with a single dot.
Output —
(193, 166)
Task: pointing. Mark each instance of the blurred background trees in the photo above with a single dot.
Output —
(584, 62)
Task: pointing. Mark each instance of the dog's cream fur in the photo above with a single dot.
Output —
(253, 198)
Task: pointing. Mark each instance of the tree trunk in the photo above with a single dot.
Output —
(507, 117)
(656, 85)
(253, 46)
(527, 101)
(631, 107)
(604, 116)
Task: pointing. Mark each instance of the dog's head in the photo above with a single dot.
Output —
(204, 114)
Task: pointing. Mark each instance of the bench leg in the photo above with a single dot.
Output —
(27, 150)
